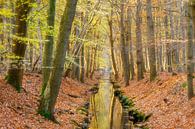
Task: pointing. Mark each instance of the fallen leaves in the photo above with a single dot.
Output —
(166, 99)
(19, 110)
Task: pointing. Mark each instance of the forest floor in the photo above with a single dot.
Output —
(19, 110)
(166, 99)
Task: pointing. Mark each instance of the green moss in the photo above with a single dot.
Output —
(13, 82)
(135, 115)
(43, 88)
(184, 85)
(124, 100)
(138, 116)
(45, 113)
(83, 110)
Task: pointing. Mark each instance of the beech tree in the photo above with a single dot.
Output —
(48, 47)
(151, 41)
(190, 65)
(15, 73)
(124, 46)
(140, 71)
(48, 100)
(129, 40)
(110, 23)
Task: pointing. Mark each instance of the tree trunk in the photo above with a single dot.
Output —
(82, 77)
(139, 52)
(48, 47)
(168, 49)
(91, 54)
(47, 104)
(124, 48)
(15, 72)
(183, 36)
(190, 49)
(129, 40)
(94, 62)
(88, 62)
(193, 20)
(76, 54)
(160, 49)
(151, 41)
(1, 21)
(110, 22)
(40, 37)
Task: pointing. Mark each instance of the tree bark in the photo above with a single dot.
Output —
(151, 41)
(82, 77)
(110, 23)
(124, 48)
(94, 61)
(139, 52)
(15, 72)
(168, 49)
(48, 101)
(129, 40)
(76, 64)
(48, 47)
(190, 66)
(88, 62)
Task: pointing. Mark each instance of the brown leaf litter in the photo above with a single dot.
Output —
(167, 99)
(19, 110)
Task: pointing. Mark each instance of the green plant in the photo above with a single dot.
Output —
(184, 85)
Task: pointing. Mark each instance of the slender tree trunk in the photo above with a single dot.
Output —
(183, 37)
(139, 52)
(48, 47)
(190, 66)
(174, 50)
(178, 46)
(31, 51)
(48, 101)
(1, 21)
(159, 47)
(124, 48)
(94, 62)
(15, 72)
(76, 64)
(151, 41)
(82, 77)
(91, 53)
(159, 42)
(39, 34)
(88, 62)
(193, 20)
(168, 49)
(129, 40)
(110, 22)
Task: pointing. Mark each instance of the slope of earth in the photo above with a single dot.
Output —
(19, 110)
(166, 99)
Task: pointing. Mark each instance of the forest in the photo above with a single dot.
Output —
(97, 64)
